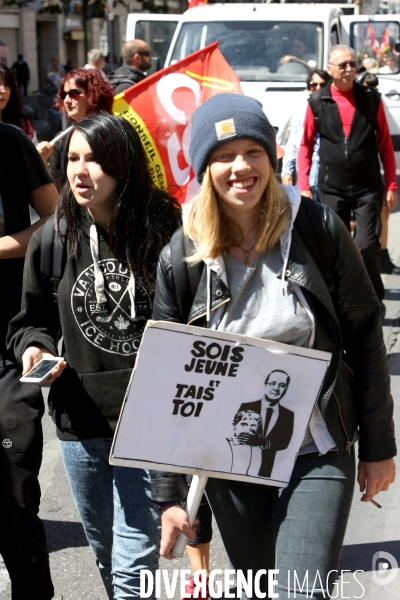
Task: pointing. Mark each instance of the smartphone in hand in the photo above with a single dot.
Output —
(42, 370)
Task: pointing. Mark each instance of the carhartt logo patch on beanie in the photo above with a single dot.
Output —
(225, 129)
(225, 117)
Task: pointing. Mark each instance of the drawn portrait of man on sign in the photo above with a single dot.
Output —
(263, 425)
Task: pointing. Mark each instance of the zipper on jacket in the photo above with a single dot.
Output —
(347, 366)
(311, 336)
(205, 313)
(348, 442)
(349, 187)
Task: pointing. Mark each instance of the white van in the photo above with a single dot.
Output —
(254, 38)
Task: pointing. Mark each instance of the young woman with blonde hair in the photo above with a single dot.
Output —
(260, 274)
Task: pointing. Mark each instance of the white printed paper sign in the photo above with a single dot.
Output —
(217, 404)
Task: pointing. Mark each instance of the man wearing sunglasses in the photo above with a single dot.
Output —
(136, 57)
(351, 122)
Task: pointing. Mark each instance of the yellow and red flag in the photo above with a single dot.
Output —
(161, 106)
(371, 38)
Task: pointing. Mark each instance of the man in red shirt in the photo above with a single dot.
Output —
(354, 133)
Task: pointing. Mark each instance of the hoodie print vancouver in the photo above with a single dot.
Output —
(109, 324)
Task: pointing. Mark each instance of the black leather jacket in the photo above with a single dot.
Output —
(356, 391)
(125, 77)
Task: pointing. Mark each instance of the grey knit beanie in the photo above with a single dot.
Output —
(225, 117)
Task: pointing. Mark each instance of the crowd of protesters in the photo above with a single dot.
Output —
(241, 232)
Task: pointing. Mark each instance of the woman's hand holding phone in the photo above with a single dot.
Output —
(33, 354)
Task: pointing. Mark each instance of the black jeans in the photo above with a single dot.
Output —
(22, 539)
(298, 530)
(366, 209)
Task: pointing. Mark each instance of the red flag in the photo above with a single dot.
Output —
(161, 106)
(385, 41)
(193, 3)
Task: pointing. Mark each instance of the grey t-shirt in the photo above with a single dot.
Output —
(258, 307)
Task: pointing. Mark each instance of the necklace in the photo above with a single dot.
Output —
(246, 253)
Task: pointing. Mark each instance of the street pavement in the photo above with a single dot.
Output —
(371, 530)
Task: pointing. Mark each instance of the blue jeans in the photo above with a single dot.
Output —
(120, 522)
(299, 528)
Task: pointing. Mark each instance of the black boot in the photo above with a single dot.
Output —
(386, 266)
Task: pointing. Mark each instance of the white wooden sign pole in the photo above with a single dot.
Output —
(195, 494)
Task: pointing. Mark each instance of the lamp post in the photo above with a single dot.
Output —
(110, 19)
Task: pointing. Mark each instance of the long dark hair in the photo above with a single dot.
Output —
(323, 74)
(13, 112)
(143, 217)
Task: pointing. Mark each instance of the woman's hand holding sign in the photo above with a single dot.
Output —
(174, 520)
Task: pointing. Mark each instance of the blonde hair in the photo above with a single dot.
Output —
(209, 228)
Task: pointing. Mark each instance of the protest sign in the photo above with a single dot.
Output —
(217, 404)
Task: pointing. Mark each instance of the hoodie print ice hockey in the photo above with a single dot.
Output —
(103, 312)
(110, 307)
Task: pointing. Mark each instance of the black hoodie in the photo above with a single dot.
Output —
(101, 333)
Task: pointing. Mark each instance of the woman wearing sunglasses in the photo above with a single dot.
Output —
(317, 79)
(82, 91)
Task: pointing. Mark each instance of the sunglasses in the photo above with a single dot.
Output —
(343, 65)
(73, 94)
(315, 84)
(145, 53)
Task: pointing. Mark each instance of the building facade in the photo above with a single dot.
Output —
(41, 36)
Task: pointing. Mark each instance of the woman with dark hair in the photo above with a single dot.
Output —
(82, 92)
(260, 272)
(117, 223)
(11, 110)
(316, 80)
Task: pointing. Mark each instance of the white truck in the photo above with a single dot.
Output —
(254, 38)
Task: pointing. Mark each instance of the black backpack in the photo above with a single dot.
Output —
(309, 223)
(53, 254)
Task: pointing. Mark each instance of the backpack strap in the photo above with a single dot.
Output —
(373, 99)
(315, 104)
(53, 253)
(310, 224)
(122, 80)
(186, 276)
